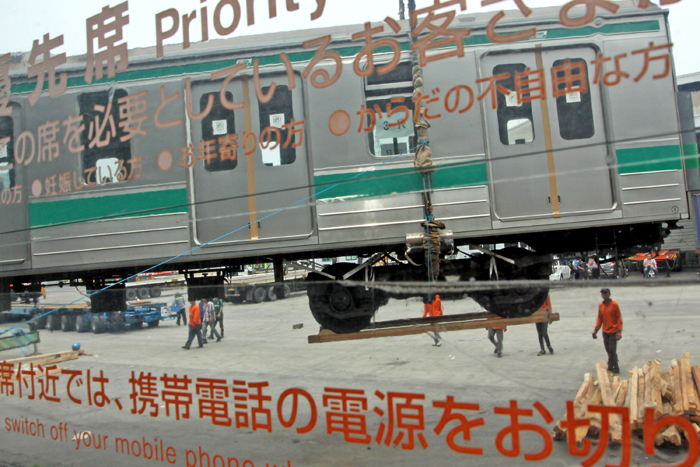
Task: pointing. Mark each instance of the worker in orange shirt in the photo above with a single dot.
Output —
(497, 332)
(542, 334)
(195, 328)
(610, 318)
(434, 309)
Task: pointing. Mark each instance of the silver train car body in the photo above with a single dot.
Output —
(621, 171)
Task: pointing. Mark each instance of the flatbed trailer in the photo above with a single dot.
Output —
(261, 287)
(78, 317)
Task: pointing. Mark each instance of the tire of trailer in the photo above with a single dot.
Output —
(53, 322)
(259, 294)
(154, 292)
(286, 291)
(67, 323)
(153, 324)
(83, 323)
(137, 325)
(130, 294)
(270, 294)
(98, 324)
(142, 293)
(40, 323)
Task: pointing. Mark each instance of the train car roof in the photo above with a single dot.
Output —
(270, 43)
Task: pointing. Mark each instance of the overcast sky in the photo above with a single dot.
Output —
(26, 20)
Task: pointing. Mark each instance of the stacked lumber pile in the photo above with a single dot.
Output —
(674, 391)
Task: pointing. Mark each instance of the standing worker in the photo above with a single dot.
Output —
(195, 326)
(218, 317)
(610, 318)
(497, 331)
(182, 312)
(542, 334)
(434, 309)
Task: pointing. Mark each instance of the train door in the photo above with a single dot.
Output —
(221, 195)
(14, 227)
(547, 149)
(281, 163)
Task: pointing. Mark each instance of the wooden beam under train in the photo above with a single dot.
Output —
(407, 327)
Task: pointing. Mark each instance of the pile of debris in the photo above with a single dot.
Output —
(672, 392)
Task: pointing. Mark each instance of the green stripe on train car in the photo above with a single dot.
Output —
(690, 154)
(149, 203)
(295, 57)
(396, 181)
(649, 159)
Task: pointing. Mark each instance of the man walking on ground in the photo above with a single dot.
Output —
(497, 331)
(434, 309)
(542, 328)
(218, 317)
(195, 326)
(182, 313)
(610, 318)
(209, 320)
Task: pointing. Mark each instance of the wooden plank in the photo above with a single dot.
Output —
(640, 397)
(45, 356)
(656, 389)
(579, 407)
(621, 396)
(634, 385)
(604, 384)
(685, 383)
(696, 379)
(648, 386)
(420, 329)
(677, 403)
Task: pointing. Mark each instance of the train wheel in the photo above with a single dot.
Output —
(518, 302)
(154, 292)
(67, 323)
(98, 324)
(153, 324)
(259, 294)
(270, 294)
(142, 293)
(339, 308)
(130, 294)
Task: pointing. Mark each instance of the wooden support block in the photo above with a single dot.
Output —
(615, 386)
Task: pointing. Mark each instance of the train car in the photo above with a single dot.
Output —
(303, 145)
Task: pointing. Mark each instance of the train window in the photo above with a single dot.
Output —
(219, 128)
(274, 114)
(514, 119)
(574, 109)
(389, 136)
(7, 156)
(108, 155)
